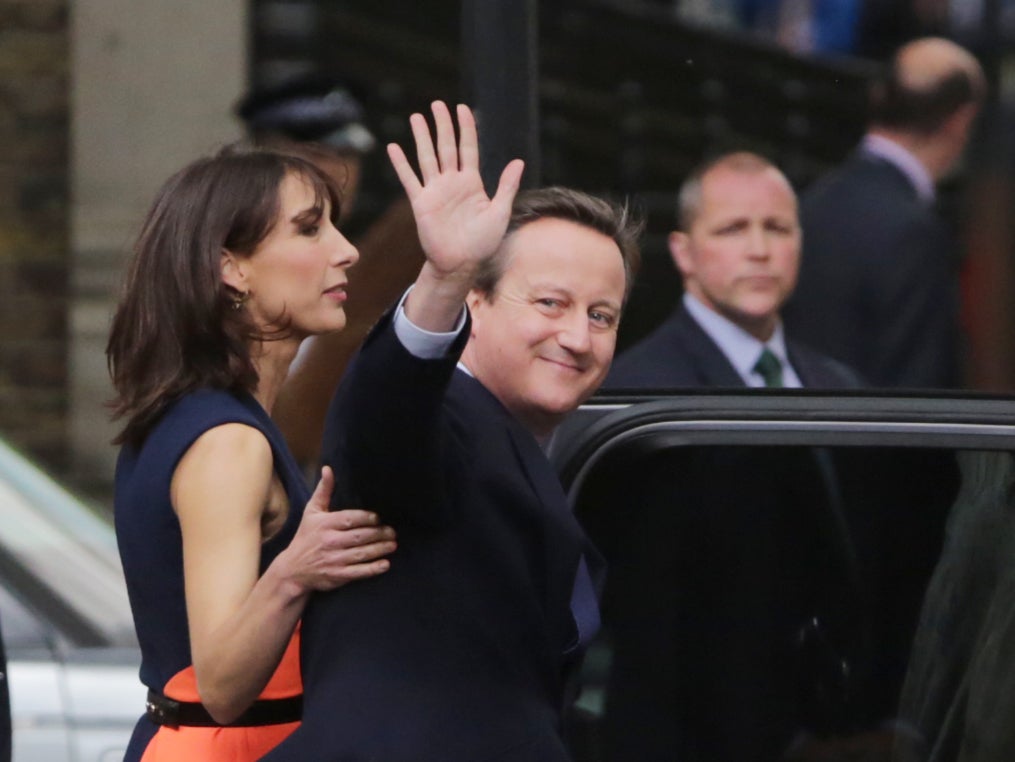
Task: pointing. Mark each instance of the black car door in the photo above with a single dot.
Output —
(770, 558)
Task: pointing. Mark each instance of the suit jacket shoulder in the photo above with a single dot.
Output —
(878, 278)
(386, 418)
(818, 371)
(867, 209)
(676, 355)
(679, 354)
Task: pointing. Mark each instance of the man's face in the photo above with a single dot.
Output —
(543, 342)
(741, 256)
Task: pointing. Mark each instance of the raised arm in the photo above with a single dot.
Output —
(458, 224)
(387, 416)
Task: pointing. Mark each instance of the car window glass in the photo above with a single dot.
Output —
(762, 599)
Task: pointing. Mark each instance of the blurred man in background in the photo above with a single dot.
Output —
(879, 284)
(738, 252)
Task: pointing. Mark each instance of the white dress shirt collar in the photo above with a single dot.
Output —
(904, 161)
(740, 347)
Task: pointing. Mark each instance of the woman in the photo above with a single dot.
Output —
(237, 262)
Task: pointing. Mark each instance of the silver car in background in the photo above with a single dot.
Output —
(72, 654)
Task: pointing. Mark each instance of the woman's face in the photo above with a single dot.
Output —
(296, 276)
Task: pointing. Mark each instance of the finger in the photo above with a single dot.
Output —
(352, 573)
(468, 140)
(447, 149)
(403, 169)
(507, 188)
(365, 554)
(351, 518)
(355, 538)
(428, 168)
(362, 571)
(321, 498)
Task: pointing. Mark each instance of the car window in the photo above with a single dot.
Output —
(764, 598)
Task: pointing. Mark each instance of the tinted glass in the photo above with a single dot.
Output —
(763, 602)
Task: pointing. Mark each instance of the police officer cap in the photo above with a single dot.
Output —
(319, 109)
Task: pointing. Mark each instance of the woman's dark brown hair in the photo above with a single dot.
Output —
(175, 328)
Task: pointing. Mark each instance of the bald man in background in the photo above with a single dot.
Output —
(878, 286)
(738, 253)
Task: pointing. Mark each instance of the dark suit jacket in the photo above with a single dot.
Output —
(679, 354)
(878, 283)
(460, 651)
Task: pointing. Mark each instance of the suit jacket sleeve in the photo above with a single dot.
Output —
(386, 435)
(917, 300)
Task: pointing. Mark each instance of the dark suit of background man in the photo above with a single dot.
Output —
(726, 556)
(879, 283)
(464, 652)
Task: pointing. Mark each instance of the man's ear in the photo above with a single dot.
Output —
(680, 253)
(473, 301)
(233, 272)
(960, 124)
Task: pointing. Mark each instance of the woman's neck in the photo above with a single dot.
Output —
(272, 360)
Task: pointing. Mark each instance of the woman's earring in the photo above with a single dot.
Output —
(239, 299)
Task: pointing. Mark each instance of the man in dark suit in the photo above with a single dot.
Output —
(465, 651)
(879, 282)
(738, 251)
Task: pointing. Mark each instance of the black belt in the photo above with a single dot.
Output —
(163, 710)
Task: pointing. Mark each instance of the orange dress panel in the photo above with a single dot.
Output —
(227, 744)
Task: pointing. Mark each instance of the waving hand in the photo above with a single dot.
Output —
(458, 223)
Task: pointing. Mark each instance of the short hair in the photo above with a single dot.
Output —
(923, 109)
(689, 197)
(616, 221)
(175, 329)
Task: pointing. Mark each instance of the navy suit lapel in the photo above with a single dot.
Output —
(564, 561)
(584, 574)
(709, 361)
(813, 370)
(544, 481)
(536, 467)
(808, 373)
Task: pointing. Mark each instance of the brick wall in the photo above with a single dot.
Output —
(34, 256)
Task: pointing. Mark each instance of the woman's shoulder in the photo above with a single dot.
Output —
(196, 412)
(213, 403)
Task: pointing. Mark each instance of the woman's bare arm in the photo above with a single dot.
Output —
(240, 623)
